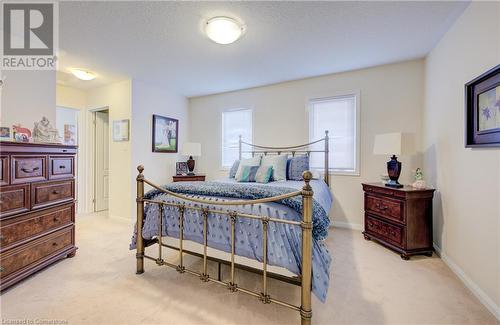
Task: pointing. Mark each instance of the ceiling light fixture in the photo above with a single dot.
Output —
(83, 74)
(223, 30)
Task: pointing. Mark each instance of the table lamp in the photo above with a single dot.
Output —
(191, 149)
(390, 144)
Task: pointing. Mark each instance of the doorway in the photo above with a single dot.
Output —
(101, 163)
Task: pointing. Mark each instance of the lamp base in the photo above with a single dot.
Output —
(393, 170)
(393, 183)
(190, 164)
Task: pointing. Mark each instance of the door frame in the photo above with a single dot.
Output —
(92, 155)
(81, 165)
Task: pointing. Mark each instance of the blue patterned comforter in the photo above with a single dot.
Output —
(284, 241)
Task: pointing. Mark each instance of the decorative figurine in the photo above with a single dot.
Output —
(45, 132)
(21, 134)
(419, 179)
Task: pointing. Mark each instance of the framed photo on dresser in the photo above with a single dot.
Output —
(482, 110)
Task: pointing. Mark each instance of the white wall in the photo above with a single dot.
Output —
(391, 100)
(147, 100)
(467, 210)
(27, 96)
(118, 98)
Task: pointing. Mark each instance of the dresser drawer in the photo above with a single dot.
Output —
(4, 170)
(390, 232)
(28, 169)
(32, 253)
(392, 209)
(16, 230)
(49, 193)
(61, 167)
(14, 199)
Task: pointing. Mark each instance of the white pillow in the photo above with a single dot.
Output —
(254, 161)
(278, 162)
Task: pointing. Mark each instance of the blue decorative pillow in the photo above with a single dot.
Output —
(248, 174)
(234, 169)
(296, 166)
(264, 174)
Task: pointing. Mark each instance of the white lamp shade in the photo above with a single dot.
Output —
(387, 144)
(191, 149)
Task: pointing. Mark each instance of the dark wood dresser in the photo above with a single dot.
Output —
(37, 207)
(399, 218)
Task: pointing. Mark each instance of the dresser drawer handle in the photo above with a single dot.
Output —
(55, 192)
(2, 269)
(30, 171)
(56, 219)
(54, 244)
(62, 167)
(385, 207)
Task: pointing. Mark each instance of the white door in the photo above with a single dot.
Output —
(101, 160)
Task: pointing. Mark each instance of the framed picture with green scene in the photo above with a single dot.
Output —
(482, 110)
(165, 134)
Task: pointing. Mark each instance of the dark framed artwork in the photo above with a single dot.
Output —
(165, 134)
(482, 110)
(181, 168)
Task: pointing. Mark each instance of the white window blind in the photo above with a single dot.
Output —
(234, 124)
(338, 115)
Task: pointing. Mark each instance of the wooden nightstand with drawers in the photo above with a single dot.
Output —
(188, 178)
(399, 218)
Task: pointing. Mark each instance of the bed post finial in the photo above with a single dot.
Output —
(140, 218)
(306, 225)
(327, 155)
(239, 147)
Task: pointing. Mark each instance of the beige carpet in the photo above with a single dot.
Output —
(370, 285)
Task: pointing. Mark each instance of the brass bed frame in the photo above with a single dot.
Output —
(303, 280)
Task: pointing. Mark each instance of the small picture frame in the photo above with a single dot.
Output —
(5, 133)
(181, 168)
(121, 130)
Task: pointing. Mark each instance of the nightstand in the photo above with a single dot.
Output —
(399, 218)
(189, 178)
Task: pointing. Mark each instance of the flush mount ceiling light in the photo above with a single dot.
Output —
(83, 74)
(223, 30)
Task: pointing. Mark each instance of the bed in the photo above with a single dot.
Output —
(275, 229)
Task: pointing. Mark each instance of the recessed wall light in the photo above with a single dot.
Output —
(83, 74)
(223, 30)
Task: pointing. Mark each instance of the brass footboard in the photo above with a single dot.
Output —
(305, 224)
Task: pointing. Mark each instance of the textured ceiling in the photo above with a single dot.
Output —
(164, 43)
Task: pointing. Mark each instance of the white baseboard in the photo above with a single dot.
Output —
(471, 285)
(347, 225)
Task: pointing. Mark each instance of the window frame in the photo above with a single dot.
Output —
(228, 110)
(357, 132)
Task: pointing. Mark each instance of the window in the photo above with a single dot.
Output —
(340, 116)
(235, 123)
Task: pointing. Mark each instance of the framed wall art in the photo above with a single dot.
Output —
(165, 134)
(482, 110)
(121, 130)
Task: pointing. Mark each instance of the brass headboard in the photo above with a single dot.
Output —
(257, 149)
